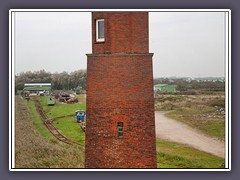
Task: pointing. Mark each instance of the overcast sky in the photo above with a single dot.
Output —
(184, 43)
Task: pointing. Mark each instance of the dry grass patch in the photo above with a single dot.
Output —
(203, 112)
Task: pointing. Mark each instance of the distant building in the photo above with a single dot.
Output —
(165, 88)
(37, 87)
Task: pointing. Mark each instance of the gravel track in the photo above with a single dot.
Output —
(172, 130)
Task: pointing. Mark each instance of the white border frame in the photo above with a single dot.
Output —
(12, 86)
(97, 29)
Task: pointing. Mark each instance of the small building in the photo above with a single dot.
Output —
(165, 88)
(37, 88)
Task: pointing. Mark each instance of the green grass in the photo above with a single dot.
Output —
(216, 129)
(60, 109)
(71, 129)
(67, 126)
(36, 119)
(174, 155)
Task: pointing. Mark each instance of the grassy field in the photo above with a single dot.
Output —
(175, 155)
(60, 109)
(203, 112)
(68, 125)
(169, 154)
(71, 129)
(36, 147)
(36, 119)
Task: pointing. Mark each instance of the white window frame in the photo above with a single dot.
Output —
(97, 38)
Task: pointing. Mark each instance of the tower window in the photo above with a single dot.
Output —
(120, 129)
(100, 30)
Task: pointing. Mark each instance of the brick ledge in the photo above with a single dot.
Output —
(121, 54)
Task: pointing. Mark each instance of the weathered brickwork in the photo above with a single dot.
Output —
(120, 89)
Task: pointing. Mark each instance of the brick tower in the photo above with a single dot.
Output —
(120, 130)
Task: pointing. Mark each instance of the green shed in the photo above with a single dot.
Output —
(165, 88)
(37, 87)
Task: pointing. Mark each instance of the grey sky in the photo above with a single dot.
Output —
(184, 43)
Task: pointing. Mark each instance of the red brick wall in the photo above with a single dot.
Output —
(124, 32)
(120, 89)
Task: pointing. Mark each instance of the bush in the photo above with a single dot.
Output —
(217, 102)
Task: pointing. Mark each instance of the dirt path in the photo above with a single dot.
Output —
(176, 131)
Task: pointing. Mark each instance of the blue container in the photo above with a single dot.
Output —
(80, 115)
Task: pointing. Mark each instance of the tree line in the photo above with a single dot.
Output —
(77, 80)
(185, 85)
(60, 81)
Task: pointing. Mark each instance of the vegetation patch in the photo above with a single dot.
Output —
(203, 112)
(35, 118)
(175, 155)
(218, 102)
(202, 119)
(36, 148)
(68, 125)
(71, 129)
(61, 109)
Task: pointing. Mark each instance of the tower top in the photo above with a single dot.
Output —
(120, 32)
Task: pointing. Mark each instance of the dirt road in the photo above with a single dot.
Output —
(176, 131)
